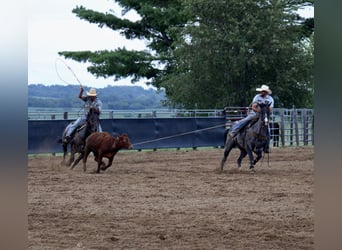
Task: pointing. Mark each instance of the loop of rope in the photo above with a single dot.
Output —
(68, 69)
(181, 134)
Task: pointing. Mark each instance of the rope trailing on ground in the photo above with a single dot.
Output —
(181, 134)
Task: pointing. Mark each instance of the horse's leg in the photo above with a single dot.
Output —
(229, 145)
(258, 151)
(73, 150)
(85, 156)
(72, 158)
(64, 145)
(259, 155)
(243, 154)
(65, 151)
(251, 157)
(77, 160)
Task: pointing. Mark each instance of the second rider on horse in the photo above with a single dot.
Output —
(90, 101)
(263, 97)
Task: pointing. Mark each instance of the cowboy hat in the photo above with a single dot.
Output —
(92, 92)
(264, 88)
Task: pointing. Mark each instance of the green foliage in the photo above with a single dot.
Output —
(156, 26)
(208, 54)
(231, 47)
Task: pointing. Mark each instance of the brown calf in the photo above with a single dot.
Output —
(103, 144)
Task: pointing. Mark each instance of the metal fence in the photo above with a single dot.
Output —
(290, 127)
(59, 114)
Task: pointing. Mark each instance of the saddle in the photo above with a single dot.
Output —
(251, 123)
(78, 129)
(81, 127)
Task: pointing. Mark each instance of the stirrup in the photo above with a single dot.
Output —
(67, 139)
(232, 135)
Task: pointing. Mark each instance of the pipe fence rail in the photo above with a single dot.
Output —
(289, 127)
(59, 114)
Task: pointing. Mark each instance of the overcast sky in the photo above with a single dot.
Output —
(52, 27)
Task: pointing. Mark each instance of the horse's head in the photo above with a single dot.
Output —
(93, 119)
(265, 112)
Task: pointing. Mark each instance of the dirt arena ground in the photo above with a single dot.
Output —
(173, 200)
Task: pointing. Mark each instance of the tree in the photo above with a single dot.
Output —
(231, 47)
(208, 54)
(158, 19)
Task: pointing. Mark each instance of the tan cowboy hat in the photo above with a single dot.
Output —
(92, 92)
(264, 88)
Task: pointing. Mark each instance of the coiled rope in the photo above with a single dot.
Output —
(59, 76)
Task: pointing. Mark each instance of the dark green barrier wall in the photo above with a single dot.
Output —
(152, 133)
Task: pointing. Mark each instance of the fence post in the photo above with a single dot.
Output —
(313, 130)
(282, 127)
(111, 114)
(65, 115)
(296, 127)
(305, 127)
(291, 126)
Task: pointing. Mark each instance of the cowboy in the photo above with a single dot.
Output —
(90, 101)
(264, 97)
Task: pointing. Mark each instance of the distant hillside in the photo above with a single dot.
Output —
(112, 97)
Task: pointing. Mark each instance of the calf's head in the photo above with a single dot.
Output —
(122, 141)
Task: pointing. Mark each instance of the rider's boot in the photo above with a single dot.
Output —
(67, 139)
(232, 134)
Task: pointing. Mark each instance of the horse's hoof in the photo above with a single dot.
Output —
(219, 170)
(252, 171)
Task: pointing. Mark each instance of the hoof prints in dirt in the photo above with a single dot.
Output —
(173, 200)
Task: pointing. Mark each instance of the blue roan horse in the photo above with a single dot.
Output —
(252, 138)
(77, 141)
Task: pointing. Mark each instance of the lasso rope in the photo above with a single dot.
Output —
(181, 134)
(68, 69)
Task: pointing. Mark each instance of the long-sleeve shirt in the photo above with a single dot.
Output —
(91, 104)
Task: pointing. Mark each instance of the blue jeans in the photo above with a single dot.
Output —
(236, 127)
(81, 120)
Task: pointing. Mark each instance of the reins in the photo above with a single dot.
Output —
(176, 135)
(268, 159)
